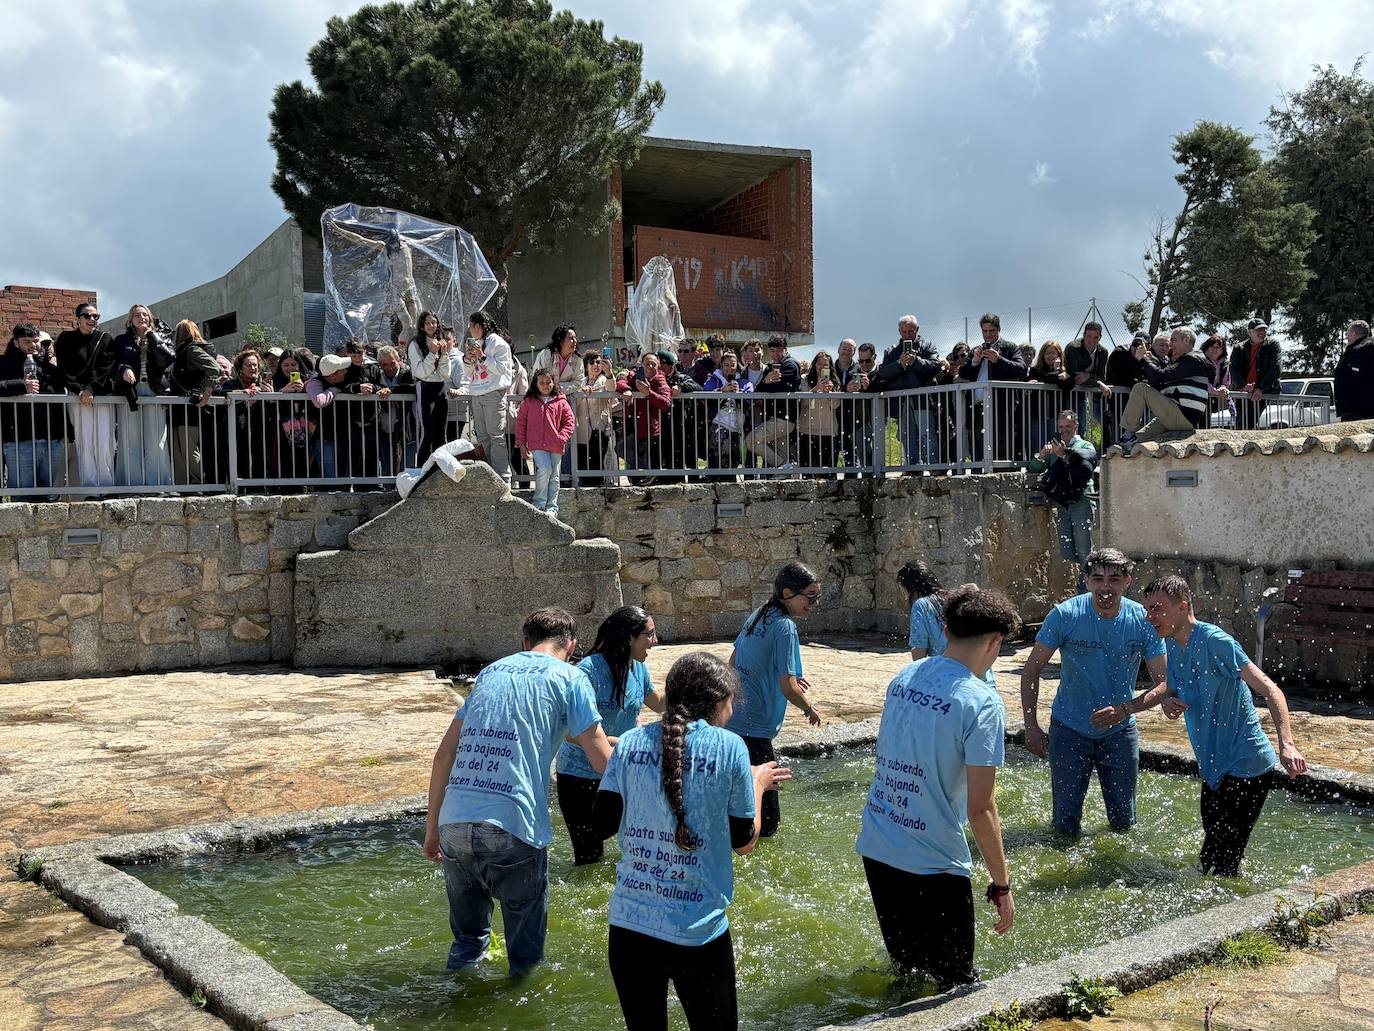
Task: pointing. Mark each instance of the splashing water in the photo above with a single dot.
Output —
(359, 919)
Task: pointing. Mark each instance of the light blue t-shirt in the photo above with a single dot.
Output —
(572, 761)
(938, 718)
(1221, 718)
(661, 890)
(928, 631)
(1099, 659)
(762, 657)
(518, 711)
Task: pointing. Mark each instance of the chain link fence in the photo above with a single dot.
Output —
(1061, 322)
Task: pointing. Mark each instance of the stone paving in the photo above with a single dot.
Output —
(87, 757)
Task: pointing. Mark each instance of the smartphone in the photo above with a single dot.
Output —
(606, 352)
(824, 376)
(295, 377)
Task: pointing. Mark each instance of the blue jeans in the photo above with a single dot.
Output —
(1076, 531)
(31, 463)
(546, 481)
(1073, 757)
(920, 441)
(483, 863)
(322, 451)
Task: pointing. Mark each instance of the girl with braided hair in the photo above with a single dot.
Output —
(767, 656)
(615, 666)
(682, 795)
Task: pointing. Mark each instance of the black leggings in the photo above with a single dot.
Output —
(433, 418)
(703, 975)
(761, 751)
(576, 796)
(926, 921)
(1229, 815)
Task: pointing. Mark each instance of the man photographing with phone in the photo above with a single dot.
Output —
(910, 364)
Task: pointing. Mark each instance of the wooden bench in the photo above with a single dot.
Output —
(1334, 608)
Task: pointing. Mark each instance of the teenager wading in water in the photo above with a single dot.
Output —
(615, 666)
(939, 745)
(1210, 680)
(682, 794)
(767, 656)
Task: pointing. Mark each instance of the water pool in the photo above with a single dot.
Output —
(358, 917)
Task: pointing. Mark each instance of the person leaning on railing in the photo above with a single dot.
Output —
(594, 420)
(253, 427)
(679, 441)
(321, 389)
(818, 419)
(999, 361)
(1255, 370)
(560, 357)
(359, 454)
(193, 376)
(910, 364)
(774, 426)
(396, 430)
(33, 434)
(143, 358)
(1219, 382)
(292, 418)
(727, 418)
(646, 396)
(86, 359)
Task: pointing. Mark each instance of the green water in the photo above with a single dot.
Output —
(359, 919)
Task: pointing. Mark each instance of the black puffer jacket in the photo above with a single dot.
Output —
(1355, 381)
(129, 357)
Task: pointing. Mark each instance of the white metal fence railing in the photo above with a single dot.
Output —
(53, 446)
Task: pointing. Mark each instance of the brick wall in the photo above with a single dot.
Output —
(746, 214)
(722, 281)
(49, 309)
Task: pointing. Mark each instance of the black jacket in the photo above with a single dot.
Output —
(128, 357)
(790, 383)
(1268, 367)
(920, 373)
(1123, 368)
(1184, 380)
(1009, 369)
(1065, 482)
(1355, 382)
(30, 420)
(86, 362)
(1077, 359)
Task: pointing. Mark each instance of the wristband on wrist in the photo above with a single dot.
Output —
(996, 891)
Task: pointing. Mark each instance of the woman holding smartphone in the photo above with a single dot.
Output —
(817, 420)
(431, 361)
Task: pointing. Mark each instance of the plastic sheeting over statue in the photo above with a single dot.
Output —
(652, 320)
(383, 267)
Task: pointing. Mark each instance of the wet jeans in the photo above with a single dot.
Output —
(1074, 756)
(1075, 525)
(484, 864)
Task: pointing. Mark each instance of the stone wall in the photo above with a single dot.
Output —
(700, 572)
(446, 577)
(172, 583)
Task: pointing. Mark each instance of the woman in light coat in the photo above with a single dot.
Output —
(562, 360)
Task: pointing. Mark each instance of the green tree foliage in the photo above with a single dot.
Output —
(499, 116)
(1236, 245)
(1323, 137)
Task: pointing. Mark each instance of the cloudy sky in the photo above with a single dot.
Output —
(968, 154)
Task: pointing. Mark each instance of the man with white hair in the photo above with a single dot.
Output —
(910, 364)
(1175, 395)
(1355, 375)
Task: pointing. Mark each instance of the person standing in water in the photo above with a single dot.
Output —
(1210, 680)
(682, 795)
(939, 745)
(488, 816)
(767, 656)
(615, 666)
(1101, 638)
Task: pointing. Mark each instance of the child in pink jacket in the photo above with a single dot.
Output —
(543, 427)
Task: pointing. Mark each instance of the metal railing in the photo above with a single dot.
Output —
(53, 446)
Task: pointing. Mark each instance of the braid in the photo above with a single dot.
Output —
(674, 744)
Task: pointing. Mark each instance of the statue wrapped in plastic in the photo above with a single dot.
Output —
(383, 267)
(652, 320)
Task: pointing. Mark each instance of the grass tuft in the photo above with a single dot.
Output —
(1009, 1019)
(1088, 997)
(372, 760)
(1250, 949)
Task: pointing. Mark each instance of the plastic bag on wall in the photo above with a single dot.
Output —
(652, 320)
(383, 267)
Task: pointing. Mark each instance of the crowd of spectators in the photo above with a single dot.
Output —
(696, 409)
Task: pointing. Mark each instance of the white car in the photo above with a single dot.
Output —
(1300, 404)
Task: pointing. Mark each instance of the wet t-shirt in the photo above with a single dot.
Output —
(938, 718)
(763, 656)
(1221, 718)
(572, 761)
(928, 631)
(1099, 659)
(518, 711)
(661, 890)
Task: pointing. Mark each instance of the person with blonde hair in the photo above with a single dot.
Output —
(143, 358)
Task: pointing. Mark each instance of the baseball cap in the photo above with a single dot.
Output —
(332, 363)
(1256, 324)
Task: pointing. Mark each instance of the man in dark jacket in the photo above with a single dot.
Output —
(86, 359)
(396, 422)
(709, 362)
(679, 430)
(1085, 360)
(1175, 395)
(996, 361)
(910, 364)
(1355, 375)
(34, 432)
(358, 444)
(1255, 370)
(772, 433)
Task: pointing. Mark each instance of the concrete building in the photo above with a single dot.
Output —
(734, 221)
(279, 284)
